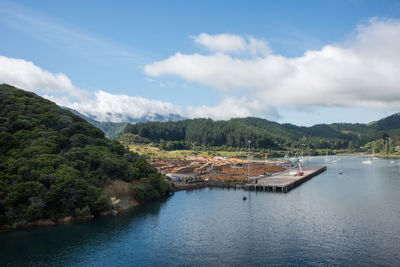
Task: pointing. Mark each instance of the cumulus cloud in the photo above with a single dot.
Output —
(363, 71)
(101, 105)
(25, 74)
(230, 43)
(59, 88)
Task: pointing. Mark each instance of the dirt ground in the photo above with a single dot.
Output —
(216, 168)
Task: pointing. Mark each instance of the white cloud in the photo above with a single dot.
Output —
(230, 107)
(59, 88)
(24, 74)
(230, 43)
(102, 105)
(363, 72)
(109, 107)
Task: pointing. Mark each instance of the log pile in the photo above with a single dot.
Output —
(218, 168)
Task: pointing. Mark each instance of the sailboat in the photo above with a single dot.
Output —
(334, 160)
(326, 157)
(373, 155)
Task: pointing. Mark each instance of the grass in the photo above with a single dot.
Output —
(150, 151)
(155, 152)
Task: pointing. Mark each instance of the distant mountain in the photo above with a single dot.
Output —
(267, 134)
(113, 129)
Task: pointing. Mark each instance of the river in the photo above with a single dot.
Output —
(332, 219)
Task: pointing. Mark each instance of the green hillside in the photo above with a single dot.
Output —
(265, 134)
(55, 164)
(389, 123)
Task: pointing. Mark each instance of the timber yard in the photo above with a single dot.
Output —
(260, 175)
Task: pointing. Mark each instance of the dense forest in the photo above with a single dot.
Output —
(265, 134)
(55, 164)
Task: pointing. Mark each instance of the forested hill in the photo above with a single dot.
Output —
(264, 133)
(55, 164)
(389, 123)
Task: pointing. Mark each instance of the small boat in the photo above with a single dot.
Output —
(244, 198)
(340, 172)
(368, 161)
(326, 157)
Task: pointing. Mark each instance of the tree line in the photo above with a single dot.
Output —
(264, 134)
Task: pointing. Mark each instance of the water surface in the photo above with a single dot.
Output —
(349, 219)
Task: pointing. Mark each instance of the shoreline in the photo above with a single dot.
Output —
(131, 203)
(47, 223)
(369, 155)
(73, 219)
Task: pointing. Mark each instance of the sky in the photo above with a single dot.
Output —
(300, 62)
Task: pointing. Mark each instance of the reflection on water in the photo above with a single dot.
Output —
(348, 219)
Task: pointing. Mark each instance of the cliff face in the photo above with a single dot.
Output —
(121, 191)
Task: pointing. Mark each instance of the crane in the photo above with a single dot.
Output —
(300, 172)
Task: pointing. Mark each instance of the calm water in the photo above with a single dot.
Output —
(349, 219)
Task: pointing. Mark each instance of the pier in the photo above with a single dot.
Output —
(283, 182)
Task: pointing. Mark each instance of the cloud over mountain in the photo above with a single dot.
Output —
(101, 105)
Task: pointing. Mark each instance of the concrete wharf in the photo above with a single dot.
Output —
(283, 182)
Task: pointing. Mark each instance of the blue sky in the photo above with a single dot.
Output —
(127, 52)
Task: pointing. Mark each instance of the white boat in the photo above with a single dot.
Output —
(368, 161)
(373, 156)
(326, 157)
(335, 160)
